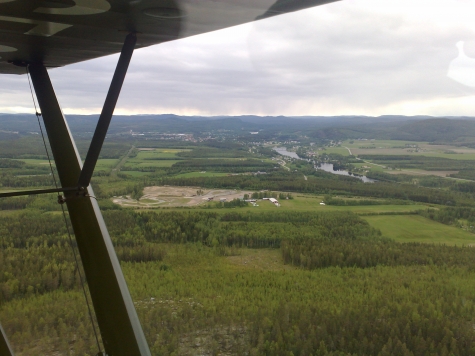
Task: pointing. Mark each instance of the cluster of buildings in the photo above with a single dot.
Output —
(164, 136)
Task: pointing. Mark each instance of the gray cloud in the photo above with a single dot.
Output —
(343, 58)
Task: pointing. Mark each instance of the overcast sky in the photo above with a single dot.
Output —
(365, 57)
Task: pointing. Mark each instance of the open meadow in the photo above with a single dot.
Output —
(415, 228)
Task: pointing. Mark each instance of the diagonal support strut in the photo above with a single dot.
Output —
(107, 110)
(37, 191)
(5, 348)
(121, 332)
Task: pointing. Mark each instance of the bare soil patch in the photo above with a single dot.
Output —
(171, 196)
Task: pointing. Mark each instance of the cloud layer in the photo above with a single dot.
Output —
(351, 57)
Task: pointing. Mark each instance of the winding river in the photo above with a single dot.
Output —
(327, 167)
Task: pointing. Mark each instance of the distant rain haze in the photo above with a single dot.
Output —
(363, 57)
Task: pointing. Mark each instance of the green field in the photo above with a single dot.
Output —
(35, 162)
(138, 163)
(414, 228)
(458, 156)
(312, 203)
(158, 154)
(390, 147)
(340, 150)
(372, 166)
(379, 143)
(107, 163)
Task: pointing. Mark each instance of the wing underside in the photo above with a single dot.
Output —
(61, 32)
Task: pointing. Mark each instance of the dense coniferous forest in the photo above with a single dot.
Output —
(314, 276)
(325, 184)
(350, 254)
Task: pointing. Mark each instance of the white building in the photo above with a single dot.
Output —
(274, 201)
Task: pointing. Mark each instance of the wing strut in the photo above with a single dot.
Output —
(5, 348)
(119, 325)
(107, 111)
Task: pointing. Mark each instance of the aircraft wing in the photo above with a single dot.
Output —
(61, 32)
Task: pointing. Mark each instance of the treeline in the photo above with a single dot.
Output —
(339, 161)
(23, 147)
(36, 256)
(112, 148)
(225, 165)
(329, 200)
(11, 163)
(407, 298)
(327, 185)
(268, 194)
(449, 216)
(364, 253)
(235, 203)
(419, 162)
(33, 147)
(418, 310)
(36, 270)
(467, 173)
(11, 181)
(426, 181)
(45, 202)
(213, 152)
(239, 229)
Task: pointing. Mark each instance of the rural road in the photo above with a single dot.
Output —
(282, 163)
(359, 159)
(121, 162)
(402, 170)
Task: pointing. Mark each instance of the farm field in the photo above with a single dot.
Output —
(107, 163)
(135, 163)
(158, 153)
(149, 158)
(340, 150)
(309, 202)
(414, 228)
(444, 174)
(389, 147)
(35, 161)
(370, 166)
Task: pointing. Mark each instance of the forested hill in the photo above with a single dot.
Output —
(416, 128)
(437, 130)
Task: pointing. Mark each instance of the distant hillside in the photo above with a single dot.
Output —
(437, 130)
(414, 128)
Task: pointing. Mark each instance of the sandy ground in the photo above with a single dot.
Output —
(177, 196)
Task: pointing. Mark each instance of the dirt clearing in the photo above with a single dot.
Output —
(171, 196)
